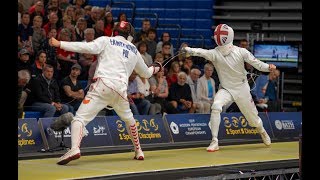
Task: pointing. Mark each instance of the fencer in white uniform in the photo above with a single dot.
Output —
(117, 58)
(228, 61)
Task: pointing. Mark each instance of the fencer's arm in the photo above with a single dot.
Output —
(256, 63)
(93, 47)
(143, 70)
(207, 54)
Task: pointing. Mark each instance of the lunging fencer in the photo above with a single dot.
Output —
(229, 60)
(117, 58)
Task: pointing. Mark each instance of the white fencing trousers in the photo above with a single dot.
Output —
(221, 98)
(104, 93)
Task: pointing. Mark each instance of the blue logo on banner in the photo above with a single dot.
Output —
(97, 134)
(189, 127)
(286, 124)
(236, 126)
(29, 136)
(151, 130)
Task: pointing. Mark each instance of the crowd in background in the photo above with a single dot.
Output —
(49, 78)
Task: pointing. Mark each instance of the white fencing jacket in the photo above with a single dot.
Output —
(230, 68)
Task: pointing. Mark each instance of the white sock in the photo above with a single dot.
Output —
(215, 120)
(76, 134)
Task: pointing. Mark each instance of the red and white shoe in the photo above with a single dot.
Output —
(213, 146)
(72, 154)
(139, 155)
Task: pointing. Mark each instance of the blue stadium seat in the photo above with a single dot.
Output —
(32, 114)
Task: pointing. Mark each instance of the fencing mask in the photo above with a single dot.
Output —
(223, 36)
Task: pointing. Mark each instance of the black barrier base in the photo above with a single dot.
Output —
(61, 147)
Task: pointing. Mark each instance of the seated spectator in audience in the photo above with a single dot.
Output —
(188, 65)
(39, 34)
(142, 48)
(207, 87)
(25, 33)
(172, 75)
(266, 91)
(165, 51)
(38, 11)
(86, 60)
(159, 90)
(144, 88)
(72, 93)
(138, 104)
(180, 98)
(193, 81)
(67, 25)
(142, 34)
(79, 28)
(93, 17)
(24, 61)
(20, 11)
(51, 52)
(39, 63)
(45, 94)
(151, 42)
(66, 59)
(109, 24)
(165, 37)
(87, 10)
(182, 56)
(99, 29)
(53, 23)
(23, 79)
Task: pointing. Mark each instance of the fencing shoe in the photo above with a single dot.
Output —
(72, 154)
(213, 146)
(139, 155)
(265, 138)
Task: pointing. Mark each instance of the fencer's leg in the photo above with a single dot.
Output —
(76, 136)
(250, 112)
(89, 108)
(222, 98)
(124, 112)
(134, 135)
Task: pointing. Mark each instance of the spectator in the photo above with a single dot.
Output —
(109, 24)
(25, 33)
(99, 29)
(53, 22)
(72, 92)
(180, 98)
(159, 89)
(24, 61)
(79, 29)
(193, 81)
(39, 63)
(23, 80)
(143, 48)
(39, 34)
(85, 60)
(65, 58)
(144, 88)
(172, 75)
(51, 52)
(142, 34)
(138, 104)
(38, 11)
(207, 87)
(45, 94)
(94, 16)
(165, 37)
(151, 42)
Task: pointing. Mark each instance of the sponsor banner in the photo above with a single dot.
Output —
(97, 134)
(189, 127)
(236, 126)
(29, 137)
(151, 130)
(286, 124)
